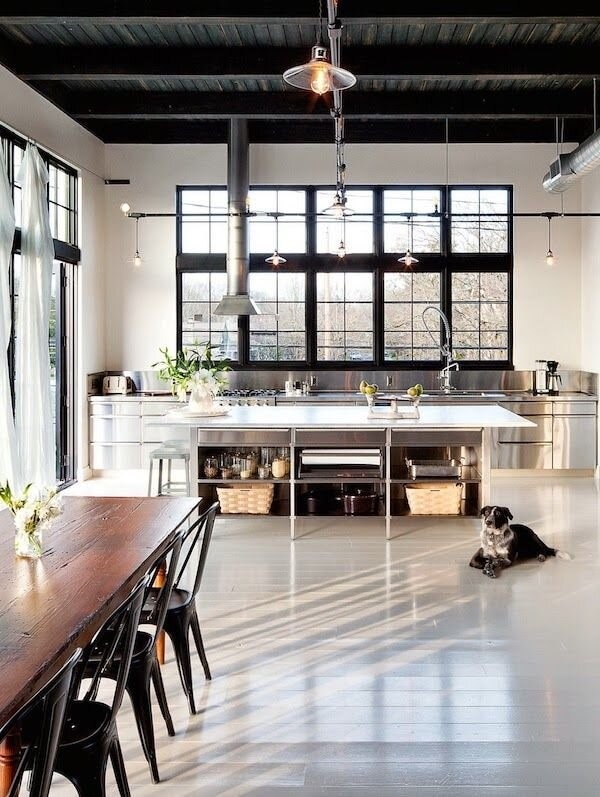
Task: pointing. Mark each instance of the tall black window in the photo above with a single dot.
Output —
(325, 311)
(63, 210)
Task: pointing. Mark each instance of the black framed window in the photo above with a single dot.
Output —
(279, 334)
(345, 323)
(366, 307)
(63, 212)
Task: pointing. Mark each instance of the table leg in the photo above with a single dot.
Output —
(10, 753)
(160, 641)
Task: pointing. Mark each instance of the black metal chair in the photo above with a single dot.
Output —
(145, 668)
(181, 613)
(41, 720)
(89, 735)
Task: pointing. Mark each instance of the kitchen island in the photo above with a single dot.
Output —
(460, 433)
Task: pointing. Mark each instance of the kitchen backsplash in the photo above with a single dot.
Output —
(572, 381)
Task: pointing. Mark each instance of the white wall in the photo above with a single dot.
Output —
(31, 115)
(141, 303)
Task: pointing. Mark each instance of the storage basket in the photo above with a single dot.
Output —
(251, 499)
(433, 498)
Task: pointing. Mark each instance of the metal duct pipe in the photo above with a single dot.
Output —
(236, 301)
(566, 169)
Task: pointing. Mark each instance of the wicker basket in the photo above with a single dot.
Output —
(434, 498)
(251, 499)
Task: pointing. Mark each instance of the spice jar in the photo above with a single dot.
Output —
(278, 468)
(211, 467)
(264, 471)
(226, 473)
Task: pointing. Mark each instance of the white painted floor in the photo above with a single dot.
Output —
(344, 665)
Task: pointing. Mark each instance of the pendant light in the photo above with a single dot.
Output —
(550, 254)
(137, 259)
(341, 250)
(408, 258)
(338, 209)
(319, 74)
(125, 207)
(276, 259)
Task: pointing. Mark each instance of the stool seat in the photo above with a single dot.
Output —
(168, 452)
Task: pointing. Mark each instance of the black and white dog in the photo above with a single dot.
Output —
(503, 543)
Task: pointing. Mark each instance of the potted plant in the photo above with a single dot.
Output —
(33, 509)
(194, 370)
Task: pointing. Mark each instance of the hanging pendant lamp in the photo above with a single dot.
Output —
(137, 258)
(338, 208)
(408, 258)
(276, 259)
(550, 254)
(319, 74)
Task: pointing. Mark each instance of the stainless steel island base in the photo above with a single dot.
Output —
(460, 433)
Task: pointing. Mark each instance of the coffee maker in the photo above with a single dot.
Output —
(554, 379)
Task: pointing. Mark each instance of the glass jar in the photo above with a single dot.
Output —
(264, 471)
(278, 468)
(211, 467)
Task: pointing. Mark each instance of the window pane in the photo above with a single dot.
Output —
(204, 236)
(287, 233)
(480, 232)
(480, 315)
(279, 333)
(406, 296)
(419, 233)
(356, 231)
(201, 292)
(344, 316)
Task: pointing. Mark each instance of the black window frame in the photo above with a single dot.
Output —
(67, 256)
(379, 262)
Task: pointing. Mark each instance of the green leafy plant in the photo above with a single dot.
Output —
(181, 368)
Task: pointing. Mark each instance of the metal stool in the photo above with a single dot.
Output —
(168, 453)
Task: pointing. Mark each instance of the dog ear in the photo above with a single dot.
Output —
(485, 511)
(508, 513)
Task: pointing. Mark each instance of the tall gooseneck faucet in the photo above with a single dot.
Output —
(445, 348)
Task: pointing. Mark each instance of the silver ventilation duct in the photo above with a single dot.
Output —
(236, 301)
(566, 169)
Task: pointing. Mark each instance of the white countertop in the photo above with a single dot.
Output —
(474, 416)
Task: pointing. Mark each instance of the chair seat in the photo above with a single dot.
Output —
(170, 452)
(85, 720)
(177, 600)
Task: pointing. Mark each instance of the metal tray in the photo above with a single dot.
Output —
(434, 468)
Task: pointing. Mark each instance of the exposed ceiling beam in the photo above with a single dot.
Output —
(37, 62)
(417, 131)
(234, 12)
(300, 105)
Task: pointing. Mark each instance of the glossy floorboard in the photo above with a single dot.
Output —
(344, 665)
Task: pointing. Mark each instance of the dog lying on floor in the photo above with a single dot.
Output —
(504, 543)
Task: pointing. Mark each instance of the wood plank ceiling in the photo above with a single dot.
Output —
(157, 71)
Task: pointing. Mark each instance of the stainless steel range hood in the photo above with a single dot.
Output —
(236, 301)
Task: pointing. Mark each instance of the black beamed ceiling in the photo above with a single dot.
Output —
(152, 71)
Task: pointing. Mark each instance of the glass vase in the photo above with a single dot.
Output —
(28, 545)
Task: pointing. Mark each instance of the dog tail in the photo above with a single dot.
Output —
(562, 554)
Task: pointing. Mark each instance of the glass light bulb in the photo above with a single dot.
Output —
(125, 208)
(549, 258)
(341, 252)
(320, 82)
(137, 260)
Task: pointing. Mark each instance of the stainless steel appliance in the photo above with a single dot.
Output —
(540, 383)
(554, 379)
(115, 385)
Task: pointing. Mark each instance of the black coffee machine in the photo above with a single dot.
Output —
(553, 378)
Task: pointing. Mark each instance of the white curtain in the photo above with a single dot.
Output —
(33, 416)
(9, 470)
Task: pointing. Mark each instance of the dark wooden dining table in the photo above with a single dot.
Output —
(95, 552)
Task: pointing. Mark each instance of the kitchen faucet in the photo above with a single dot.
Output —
(445, 349)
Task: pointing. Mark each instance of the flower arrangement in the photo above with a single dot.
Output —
(33, 510)
(193, 367)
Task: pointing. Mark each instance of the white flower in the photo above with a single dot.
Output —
(22, 518)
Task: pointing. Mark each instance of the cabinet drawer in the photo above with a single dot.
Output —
(153, 433)
(160, 407)
(574, 408)
(537, 456)
(244, 437)
(340, 437)
(115, 457)
(574, 442)
(452, 437)
(111, 408)
(528, 408)
(541, 433)
(115, 430)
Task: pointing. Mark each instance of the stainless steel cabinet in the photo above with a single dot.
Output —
(574, 442)
(536, 456)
